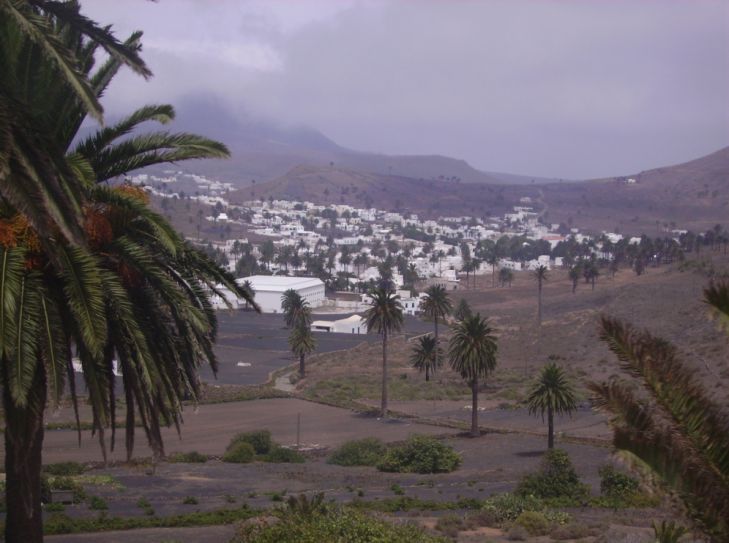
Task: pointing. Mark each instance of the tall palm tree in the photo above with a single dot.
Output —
(302, 343)
(426, 355)
(472, 352)
(383, 317)
(676, 429)
(436, 305)
(551, 393)
(132, 290)
(540, 276)
(574, 274)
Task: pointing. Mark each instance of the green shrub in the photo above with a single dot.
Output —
(341, 525)
(533, 522)
(143, 503)
(397, 489)
(420, 454)
(504, 508)
(193, 457)
(64, 469)
(55, 508)
(360, 452)
(282, 455)
(97, 503)
(556, 478)
(615, 484)
(260, 440)
(239, 453)
(190, 500)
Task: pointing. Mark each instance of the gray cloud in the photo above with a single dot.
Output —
(556, 88)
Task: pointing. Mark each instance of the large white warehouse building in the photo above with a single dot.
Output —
(270, 288)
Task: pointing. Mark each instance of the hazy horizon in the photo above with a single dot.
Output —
(561, 89)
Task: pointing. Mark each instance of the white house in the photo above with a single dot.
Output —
(270, 288)
(350, 325)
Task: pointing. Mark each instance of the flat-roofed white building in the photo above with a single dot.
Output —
(350, 325)
(270, 288)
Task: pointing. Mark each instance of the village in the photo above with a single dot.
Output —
(332, 254)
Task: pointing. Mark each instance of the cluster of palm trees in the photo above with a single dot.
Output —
(87, 269)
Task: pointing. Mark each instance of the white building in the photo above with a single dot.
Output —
(270, 288)
(350, 325)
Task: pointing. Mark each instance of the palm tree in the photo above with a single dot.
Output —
(302, 343)
(574, 274)
(426, 355)
(384, 317)
(295, 309)
(540, 276)
(35, 179)
(463, 310)
(472, 351)
(436, 305)
(133, 290)
(551, 393)
(676, 429)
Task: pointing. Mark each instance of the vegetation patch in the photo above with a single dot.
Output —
(64, 469)
(360, 452)
(60, 523)
(556, 479)
(258, 445)
(420, 454)
(192, 457)
(341, 525)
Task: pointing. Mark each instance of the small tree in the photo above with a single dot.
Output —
(426, 355)
(463, 310)
(302, 343)
(551, 393)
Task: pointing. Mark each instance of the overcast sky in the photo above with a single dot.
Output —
(571, 89)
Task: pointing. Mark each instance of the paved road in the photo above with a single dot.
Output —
(261, 340)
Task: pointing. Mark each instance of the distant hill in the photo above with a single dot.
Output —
(264, 150)
(334, 185)
(694, 194)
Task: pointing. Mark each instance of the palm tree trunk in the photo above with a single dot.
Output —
(539, 304)
(302, 365)
(383, 409)
(427, 373)
(550, 428)
(23, 447)
(474, 409)
(436, 345)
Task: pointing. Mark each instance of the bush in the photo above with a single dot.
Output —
(615, 484)
(556, 478)
(360, 452)
(504, 508)
(282, 455)
(341, 525)
(260, 440)
(64, 469)
(533, 522)
(193, 457)
(61, 483)
(570, 531)
(420, 454)
(190, 500)
(98, 504)
(239, 453)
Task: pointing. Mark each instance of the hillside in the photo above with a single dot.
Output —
(692, 195)
(334, 185)
(263, 149)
